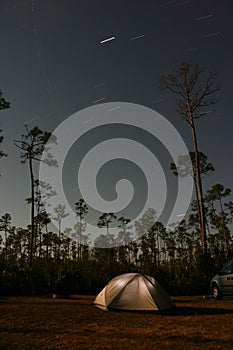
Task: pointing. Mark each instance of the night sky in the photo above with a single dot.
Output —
(53, 65)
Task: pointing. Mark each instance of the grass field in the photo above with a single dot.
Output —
(40, 323)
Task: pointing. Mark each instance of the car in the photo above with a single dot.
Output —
(222, 283)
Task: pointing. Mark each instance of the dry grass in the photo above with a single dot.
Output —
(38, 323)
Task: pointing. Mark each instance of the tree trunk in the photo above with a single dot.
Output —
(226, 238)
(79, 239)
(6, 243)
(197, 197)
(199, 187)
(59, 238)
(32, 212)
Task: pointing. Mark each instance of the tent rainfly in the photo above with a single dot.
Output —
(133, 291)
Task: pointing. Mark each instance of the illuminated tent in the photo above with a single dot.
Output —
(133, 291)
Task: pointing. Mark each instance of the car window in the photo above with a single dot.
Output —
(228, 267)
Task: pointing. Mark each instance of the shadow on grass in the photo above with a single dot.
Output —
(42, 331)
(200, 342)
(179, 311)
(3, 299)
(189, 311)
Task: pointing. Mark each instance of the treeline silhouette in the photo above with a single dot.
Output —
(64, 263)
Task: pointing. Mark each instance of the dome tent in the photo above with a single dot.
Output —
(133, 291)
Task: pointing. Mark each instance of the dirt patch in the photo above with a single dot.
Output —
(40, 323)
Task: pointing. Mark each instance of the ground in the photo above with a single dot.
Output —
(43, 323)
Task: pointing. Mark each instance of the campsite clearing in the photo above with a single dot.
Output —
(41, 323)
